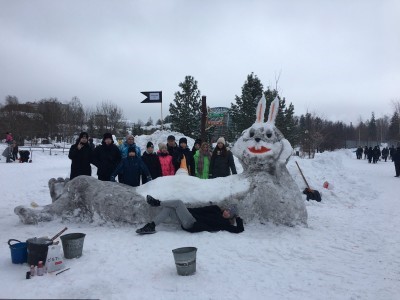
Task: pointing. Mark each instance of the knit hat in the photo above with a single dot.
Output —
(233, 211)
(131, 149)
(221, 140)
(107, 135)
(162, 146)
(171, 138)
(183, 140)
(197, 141)
(149, 144)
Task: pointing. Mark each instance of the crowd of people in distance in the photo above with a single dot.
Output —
(373, 155)
(131, 167)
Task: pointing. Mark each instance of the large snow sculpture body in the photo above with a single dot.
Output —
(265, 191)
(264, 153)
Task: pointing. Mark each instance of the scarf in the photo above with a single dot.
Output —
(200, 162)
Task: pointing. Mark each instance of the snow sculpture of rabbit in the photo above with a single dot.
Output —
(264, 153)
(265, 191)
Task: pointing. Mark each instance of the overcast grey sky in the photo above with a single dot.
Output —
(339, 59)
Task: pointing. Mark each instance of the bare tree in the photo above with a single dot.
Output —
(109, 116)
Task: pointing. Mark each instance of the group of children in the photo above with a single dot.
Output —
(131, 167)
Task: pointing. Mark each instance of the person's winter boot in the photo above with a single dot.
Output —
(147, 229)
(152, 201)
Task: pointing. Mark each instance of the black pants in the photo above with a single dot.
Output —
(397, 167)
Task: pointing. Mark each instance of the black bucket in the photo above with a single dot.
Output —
(37, 250)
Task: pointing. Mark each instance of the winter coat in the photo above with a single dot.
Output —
(221, 165)
(209, 218)
(7, 152)
(131, 167)
(385, 152)
(153, 165)
(392, 150)
(106, 158)
(206, 165)
(176, 160)
(80, 160)
(370, 153)
(396, 156)
(124, 149)
(167, 168)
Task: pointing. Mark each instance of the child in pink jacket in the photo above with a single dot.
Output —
(167, 168)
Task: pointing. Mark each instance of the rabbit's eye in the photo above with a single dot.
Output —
(251, 133)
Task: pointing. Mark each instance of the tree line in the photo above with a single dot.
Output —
(311, 133)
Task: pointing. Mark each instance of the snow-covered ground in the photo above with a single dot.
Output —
(350, 249)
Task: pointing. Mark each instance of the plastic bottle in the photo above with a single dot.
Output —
(40, 270)
(32, 270)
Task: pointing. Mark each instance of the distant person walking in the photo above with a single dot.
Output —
(365, 152)
(81, 156)
(396, 160)
(385, 153)
(370, 154)
(392, 150)
(222, 162)
(106, 158)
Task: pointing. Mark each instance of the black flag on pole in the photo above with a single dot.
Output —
(152, 97)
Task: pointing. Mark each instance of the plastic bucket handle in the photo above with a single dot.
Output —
(13, 240)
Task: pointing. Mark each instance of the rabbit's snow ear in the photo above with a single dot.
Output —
(261, 110)
(273, 110)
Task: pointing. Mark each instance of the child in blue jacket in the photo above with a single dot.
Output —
(131, 167)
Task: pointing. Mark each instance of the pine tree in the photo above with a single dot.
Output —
(291, 130)
(394, 127)
(186, 110)
(372, 133)
(243, 112)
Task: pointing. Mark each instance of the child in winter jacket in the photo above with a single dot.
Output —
(167, 167)
(152, 162)
(131, 167)
(202, 160)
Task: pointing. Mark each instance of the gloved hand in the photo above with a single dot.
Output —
(112, 178)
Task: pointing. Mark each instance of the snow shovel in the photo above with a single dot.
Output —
(310, 193)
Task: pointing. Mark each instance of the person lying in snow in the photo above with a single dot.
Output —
(208, 218)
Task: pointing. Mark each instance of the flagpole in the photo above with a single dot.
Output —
(162, 120)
